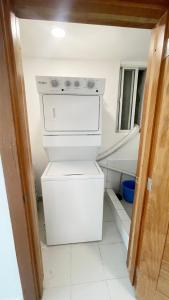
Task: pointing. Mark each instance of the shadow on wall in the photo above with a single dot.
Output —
(39, 156)
(110, 136)
(124, 161)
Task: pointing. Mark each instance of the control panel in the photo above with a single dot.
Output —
(70, 85)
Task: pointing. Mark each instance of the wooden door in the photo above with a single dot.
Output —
(163, 279)
(157, 53)
(152, 273)
(16, 156)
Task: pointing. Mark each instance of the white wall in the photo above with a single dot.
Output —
(10, 286)
(124, 160)
(105, 69)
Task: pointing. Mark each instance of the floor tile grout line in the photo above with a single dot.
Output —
(86, 244)
(111, 243)
(111, 221)
(101, 280)
(71, 255)
(101, 258)
(86, 282)
(108, 289)
(89, 283)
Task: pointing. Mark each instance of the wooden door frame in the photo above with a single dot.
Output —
(16, 157)
(155, 220)
(20, 148)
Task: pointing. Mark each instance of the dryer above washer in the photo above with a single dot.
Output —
(71, 107)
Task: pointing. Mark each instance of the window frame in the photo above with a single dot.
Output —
(136, 69)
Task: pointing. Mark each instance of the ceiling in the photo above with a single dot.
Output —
(127, 13)
(83, 41)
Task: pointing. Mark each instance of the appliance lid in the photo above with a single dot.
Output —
(71, 169)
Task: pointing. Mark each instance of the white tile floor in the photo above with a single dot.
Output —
(89, 271)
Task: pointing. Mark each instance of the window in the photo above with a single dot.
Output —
(131, 89)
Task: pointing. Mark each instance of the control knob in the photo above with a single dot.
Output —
(76, 83)
(54, 83)
(90, 84)
(67, 83)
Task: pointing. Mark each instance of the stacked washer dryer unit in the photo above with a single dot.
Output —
(73, 183)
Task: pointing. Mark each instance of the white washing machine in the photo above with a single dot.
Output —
(73, 183)
(73, 201)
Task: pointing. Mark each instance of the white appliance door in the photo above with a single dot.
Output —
(73, 210)
(71, 113)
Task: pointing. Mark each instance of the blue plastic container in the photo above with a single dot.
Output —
(128, 188)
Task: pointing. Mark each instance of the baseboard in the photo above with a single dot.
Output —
(121, 218)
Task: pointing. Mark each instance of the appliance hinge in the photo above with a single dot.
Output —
(149, 184)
